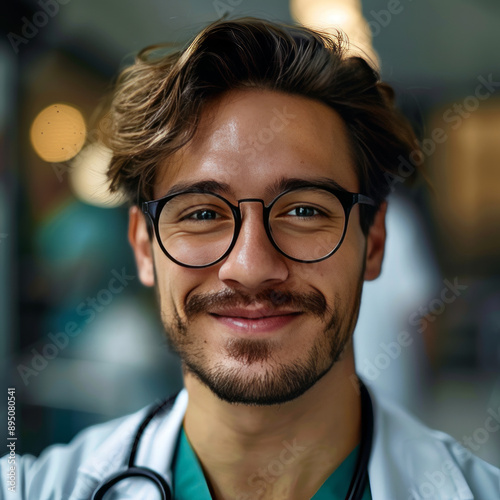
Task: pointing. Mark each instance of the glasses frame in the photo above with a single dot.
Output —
(347, 199)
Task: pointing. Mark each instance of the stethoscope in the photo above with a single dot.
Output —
(356, 488)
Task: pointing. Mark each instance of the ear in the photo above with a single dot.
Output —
(375, 245)
(138, 237)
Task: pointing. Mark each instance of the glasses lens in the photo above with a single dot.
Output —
(196, 229)
(307, 224)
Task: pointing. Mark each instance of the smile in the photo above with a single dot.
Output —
(254, 321)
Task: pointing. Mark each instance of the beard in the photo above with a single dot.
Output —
(280, 382)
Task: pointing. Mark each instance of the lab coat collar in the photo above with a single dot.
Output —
(408, 461)
(112, 455)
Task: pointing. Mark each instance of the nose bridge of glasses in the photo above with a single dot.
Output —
(262, 223)
(253, 237)
(251, 200)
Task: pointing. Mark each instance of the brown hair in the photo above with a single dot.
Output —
(158, 100)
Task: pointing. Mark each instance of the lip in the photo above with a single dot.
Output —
(252, 313)
(259, 320)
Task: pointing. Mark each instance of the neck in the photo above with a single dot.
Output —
(282, 451)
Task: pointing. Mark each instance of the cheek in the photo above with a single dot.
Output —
(176, 283)
(169, 282)
(338, 277)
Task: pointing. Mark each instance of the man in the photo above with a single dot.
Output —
(257, 162)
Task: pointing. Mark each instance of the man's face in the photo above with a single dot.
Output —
(259, 328)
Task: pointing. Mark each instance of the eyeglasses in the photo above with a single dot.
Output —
(197, 229)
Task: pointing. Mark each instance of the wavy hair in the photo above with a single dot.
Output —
(157, 102)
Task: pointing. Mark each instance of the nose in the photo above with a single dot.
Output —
(253, 263)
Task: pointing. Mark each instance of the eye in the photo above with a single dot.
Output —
(203, 214)
(304, 211)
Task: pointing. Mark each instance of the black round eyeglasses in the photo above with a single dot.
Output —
(197, 229)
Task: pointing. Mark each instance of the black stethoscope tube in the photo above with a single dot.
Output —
(360, 477)
(137, 471)
(355, 491)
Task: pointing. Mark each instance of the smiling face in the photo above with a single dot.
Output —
(257, 327)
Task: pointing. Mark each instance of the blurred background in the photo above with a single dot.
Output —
(79, 336)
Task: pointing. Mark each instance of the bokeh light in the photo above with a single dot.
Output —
(88, 176)
(58, 133)
(330, 15)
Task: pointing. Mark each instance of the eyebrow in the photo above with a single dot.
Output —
(282, 184)
(285, 183)
(205, 186)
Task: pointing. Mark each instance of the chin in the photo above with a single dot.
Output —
(253, 384)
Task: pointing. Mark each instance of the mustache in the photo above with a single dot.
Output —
(312, 302)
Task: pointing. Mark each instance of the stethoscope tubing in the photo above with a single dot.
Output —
(360, 477)
(138, 471)
(356, 487)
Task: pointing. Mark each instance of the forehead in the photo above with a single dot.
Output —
(250, 139)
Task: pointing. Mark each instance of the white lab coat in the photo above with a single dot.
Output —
(408, 460)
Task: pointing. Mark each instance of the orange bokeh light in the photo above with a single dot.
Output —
(58, 133)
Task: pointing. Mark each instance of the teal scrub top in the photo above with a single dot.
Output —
(189, 481)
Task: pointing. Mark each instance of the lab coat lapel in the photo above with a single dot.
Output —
(155, 451)
(409, 462)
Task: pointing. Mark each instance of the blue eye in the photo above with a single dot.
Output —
(204, 215)
(303, 212)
